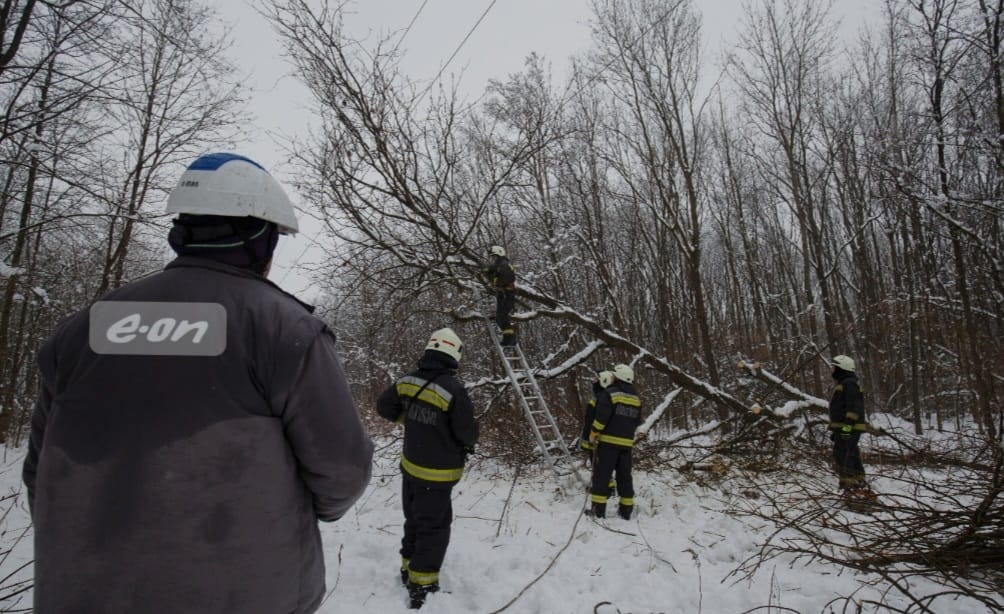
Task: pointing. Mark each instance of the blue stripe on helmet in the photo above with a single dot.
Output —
(213, 161)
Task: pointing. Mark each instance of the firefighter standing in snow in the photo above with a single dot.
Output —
(439, 432)
(503, 279)
(603, 379)
(847, 422)
(194, 425)
(618, 414)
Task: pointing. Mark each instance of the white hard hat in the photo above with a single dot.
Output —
(232, 185)
(606, 378)
(446, 341)
(844, 362)
(624, 373)
(498, 250)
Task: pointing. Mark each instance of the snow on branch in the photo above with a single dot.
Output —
(554, 308)
(802, 400)
(659, 410)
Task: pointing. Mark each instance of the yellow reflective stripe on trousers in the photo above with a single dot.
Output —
(423, 578)
(626, 501)
(431, 475)
(859, 426)
(617, 441)
(598, 498)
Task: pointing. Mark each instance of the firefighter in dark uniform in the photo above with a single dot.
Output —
(603, 379)
(618, 414)
(847, 423)
(503, 280)
(439, 433)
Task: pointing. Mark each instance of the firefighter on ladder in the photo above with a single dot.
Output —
(502, 277)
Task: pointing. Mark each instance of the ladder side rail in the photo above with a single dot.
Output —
(564, 456)
(514, 379)
(543, 407)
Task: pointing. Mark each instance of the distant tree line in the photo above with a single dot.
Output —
(799, 199)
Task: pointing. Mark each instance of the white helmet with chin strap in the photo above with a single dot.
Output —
(446, 341)
(843, 362)
(231, 185)
(498, 250)
(624, 373)
(606, 378)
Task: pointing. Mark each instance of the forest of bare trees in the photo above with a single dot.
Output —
(793, 199)
(102, 101)
(798, 196)
(801, 197)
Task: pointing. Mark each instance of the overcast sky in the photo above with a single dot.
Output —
(509, 31)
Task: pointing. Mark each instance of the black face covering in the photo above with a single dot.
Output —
(243, 242)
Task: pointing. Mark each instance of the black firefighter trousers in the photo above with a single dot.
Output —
(505, 301)
(428, 514)
(612, 460)
(847, 461)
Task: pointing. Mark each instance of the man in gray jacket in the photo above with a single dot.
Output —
(193, 426)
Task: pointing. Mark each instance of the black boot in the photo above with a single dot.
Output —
(404, 576)
(418, 592)
(599, 510)
(624, 511)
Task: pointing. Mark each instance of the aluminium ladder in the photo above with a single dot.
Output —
(545, 429)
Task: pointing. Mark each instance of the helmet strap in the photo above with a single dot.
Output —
(218, 237)
(257, 263)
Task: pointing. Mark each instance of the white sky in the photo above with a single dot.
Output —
(511, 30)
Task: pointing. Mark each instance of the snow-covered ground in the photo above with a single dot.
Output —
(524, 547)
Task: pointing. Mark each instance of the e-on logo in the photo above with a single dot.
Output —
(158, 329)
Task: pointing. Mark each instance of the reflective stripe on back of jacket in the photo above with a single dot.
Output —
(618, 414)
(438, 419)
(847, 405)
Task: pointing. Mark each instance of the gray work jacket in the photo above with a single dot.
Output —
(191, 430)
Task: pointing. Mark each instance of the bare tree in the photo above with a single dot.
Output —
(176, 93)
(105, 99)
(781, 71)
